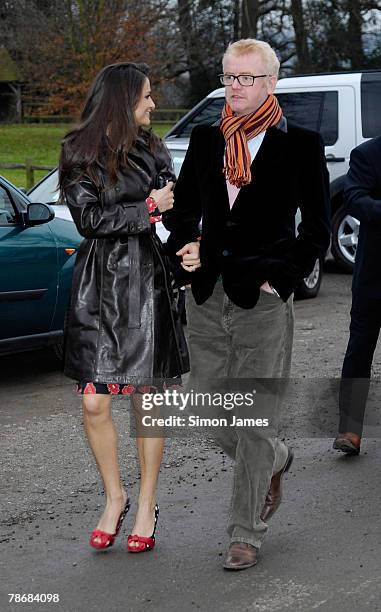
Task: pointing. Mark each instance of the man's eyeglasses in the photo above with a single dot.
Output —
(246, 80)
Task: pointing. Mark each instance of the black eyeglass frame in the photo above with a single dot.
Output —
(236, 76)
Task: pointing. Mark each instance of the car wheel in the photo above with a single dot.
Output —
(345, 231)
(60, 346)
(309, 287)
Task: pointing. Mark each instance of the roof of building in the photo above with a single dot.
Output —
(8, 68)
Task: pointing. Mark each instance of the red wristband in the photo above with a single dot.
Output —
(155, 218)
(151, 204)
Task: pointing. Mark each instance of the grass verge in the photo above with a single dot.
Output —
(38, 142)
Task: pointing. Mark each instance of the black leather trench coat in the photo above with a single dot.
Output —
(123, 323)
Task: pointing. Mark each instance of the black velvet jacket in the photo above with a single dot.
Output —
(255, 241)
(123, 325)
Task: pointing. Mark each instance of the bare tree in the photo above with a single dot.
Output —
(303, 60)
(250, 15)
(236, 19)
(355, 25)
(205, 29)
(60, 44)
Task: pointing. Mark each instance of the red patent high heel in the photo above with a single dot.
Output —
(143, 543)
(108, 539)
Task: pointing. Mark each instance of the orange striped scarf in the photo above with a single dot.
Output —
(237, 130)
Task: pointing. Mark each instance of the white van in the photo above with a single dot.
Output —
(343, 107)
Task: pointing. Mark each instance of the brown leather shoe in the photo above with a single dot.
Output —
(274, 494)
(348, 443)
(240, 556)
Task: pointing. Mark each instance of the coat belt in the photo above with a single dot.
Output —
(134, 282)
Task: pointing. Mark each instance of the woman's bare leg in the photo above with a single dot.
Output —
(150, 452)
(103, 440)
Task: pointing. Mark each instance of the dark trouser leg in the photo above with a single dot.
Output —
(364, 331)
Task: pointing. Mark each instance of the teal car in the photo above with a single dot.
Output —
(37, 256)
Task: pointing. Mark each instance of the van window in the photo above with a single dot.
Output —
(371, 104)
(314, 110)
(208, 114)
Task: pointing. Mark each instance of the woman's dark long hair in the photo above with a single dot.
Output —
(107, 129)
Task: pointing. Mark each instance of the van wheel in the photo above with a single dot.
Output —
(60, 346)
(309, 287)
(345, 231)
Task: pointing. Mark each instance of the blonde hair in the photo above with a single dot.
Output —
(246, 46)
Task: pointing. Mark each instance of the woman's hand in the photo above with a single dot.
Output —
(163, 197)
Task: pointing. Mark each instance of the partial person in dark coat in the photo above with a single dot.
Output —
(123, 329)
(363, 201)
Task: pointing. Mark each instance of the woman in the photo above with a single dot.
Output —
(123, 328)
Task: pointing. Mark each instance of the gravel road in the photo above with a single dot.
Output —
(323, 547)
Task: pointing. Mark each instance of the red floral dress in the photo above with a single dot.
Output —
(91, 388)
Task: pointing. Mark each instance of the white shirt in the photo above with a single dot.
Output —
(254, 145)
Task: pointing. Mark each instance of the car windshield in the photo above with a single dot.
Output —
(46, 190)
(11, 187)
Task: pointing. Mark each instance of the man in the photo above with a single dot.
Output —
(245, 178)
(363, 201)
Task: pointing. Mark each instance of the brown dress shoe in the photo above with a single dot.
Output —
(240, 556)
(274, 495)
(348, 443)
